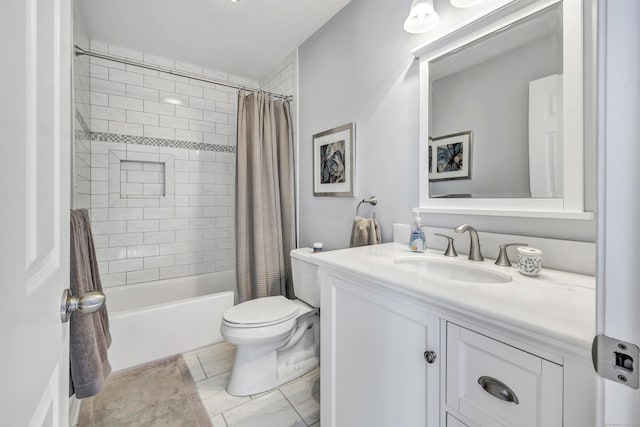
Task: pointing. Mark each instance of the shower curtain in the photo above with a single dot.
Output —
(265, 205)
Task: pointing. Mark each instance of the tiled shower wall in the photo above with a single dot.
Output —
(162, 175)
(81, 178)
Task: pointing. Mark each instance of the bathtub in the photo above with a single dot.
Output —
(149, 321)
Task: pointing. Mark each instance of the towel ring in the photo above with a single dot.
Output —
(371, 200)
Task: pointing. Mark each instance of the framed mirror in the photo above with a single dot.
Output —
(501, 114)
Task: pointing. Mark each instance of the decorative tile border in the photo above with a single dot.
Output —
(160, 142)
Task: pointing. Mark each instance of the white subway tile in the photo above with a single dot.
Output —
(174, 224)
(189, 235)
(225, 222)
(156, 237)
(129, 189)
(143, 225)
(125, 239)
(106, 86)
(125, 52)
(212, 138)
(188, 212)
(215, 74)
(174, 248)
(99, 201)
(99, 71)
(184, 99)
(159, 132)
(190, 90)
(151, 202)
(188, 135)
(188, 189)
(110, 254)
(216, 95)
(159, 213)
(107, 63)
(140, 70)
(101, 241)
(153, 189)
(99, 214)
(142, 118)
(181, 177)
(107, 113)
(159, 60)
(202, 223)
(226, 107)
(143, 276)
(189, 113)
(205, 104)
(143, 93)
(218, 189)
(99, 187)
(125, 128)
(181, 200)
(174, 271)
(159, 108)
(190, 68)
(159, 261)
(188, 258)
(142, 251)
(125, 102)
(212, 116)
(208, 267)
(125, 213)
(159, 83)
(174, 122)
(141, 153)
(224, 179)
(223, 129)
(99, 125)
(203, 200)
(215, 211)
(127, 77)
(203, 156)
(201, 126)
(108, 227)
(110, 280)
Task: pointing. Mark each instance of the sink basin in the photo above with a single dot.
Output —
(452, 270)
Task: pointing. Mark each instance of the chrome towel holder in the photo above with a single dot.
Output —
(371, 200)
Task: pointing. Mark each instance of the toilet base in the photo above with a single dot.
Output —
(257, 369)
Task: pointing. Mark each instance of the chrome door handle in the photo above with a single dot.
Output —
(430, 356)
(498, 389)
(87, 303)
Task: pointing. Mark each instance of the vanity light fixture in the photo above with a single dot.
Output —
(422, 17)
(464, 3)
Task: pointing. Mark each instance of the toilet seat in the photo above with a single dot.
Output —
(260, 312)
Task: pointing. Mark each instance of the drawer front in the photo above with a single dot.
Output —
(492, 383)
(454, 422)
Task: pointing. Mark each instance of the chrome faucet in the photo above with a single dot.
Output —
(474, 248)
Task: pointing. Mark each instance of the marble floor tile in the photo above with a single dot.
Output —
(214, 396)
(218, 421)
(304, 395)
(195, 368)
(268, 410)
(217, 359)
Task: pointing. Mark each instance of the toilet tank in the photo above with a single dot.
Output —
(304, 269)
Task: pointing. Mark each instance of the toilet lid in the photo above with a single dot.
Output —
(262, 311)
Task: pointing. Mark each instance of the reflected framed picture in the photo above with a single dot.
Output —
(333, 161)
(450, 156)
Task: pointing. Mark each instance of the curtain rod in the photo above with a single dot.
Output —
(80, 51)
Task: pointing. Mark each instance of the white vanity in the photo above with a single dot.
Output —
(405, 343)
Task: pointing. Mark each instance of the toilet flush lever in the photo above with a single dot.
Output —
(87, 303)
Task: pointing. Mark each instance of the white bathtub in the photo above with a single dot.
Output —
(149, 321)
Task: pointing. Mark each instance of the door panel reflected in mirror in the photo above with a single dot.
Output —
(495, 113)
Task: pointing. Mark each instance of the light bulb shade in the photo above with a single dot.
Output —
(464, 3)
(422, 17)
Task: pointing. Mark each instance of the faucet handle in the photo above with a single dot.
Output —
(503, 258)
(451, 250)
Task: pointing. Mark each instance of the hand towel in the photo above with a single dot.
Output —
(365, 231)
(89, 333)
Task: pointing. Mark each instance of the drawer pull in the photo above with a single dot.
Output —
(430, 356)
(498, 389)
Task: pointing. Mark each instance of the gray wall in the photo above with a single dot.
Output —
(358, 68)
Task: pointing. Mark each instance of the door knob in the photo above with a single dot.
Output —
(430, 356)
(87, 303)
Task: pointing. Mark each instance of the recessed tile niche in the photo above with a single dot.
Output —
(139, 179)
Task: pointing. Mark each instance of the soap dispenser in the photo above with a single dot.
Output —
(417, 242)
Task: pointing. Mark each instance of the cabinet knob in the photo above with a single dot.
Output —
(430, 356)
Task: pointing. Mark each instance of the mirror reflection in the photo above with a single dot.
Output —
(495, 113)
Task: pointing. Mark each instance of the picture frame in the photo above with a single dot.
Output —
(334, 161)
(450, 156)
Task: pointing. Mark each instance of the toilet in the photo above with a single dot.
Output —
(276, 339)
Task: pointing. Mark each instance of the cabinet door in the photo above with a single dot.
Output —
(374, 371)
(492, 383)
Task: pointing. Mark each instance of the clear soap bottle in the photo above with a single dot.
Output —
(417, 242)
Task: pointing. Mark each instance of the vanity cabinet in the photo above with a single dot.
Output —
(374, 369)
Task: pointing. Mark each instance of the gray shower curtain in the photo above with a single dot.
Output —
(265, 205)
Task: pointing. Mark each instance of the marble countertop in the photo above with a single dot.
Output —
(555, 304)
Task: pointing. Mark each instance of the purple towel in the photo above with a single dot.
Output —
(89, 333)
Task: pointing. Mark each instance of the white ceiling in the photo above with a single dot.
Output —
(247, 38)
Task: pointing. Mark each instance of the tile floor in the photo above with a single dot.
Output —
(295, 404)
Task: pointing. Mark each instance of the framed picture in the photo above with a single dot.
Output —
(450, 157)
(333, 161)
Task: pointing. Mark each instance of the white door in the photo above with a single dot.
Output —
(35, 139)
(618, 310)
